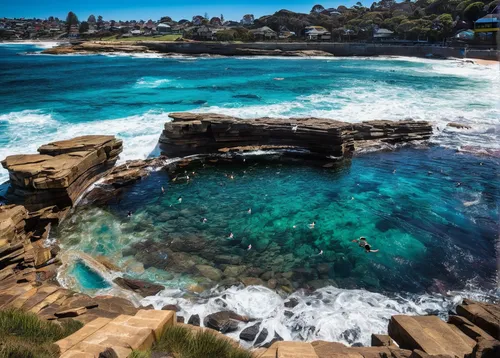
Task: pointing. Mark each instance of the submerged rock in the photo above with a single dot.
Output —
(209, 272)
(234, 271)
(249, 333)
(144, 288)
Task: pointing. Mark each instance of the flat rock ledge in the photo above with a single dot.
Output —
(61, 172)
(204, 133)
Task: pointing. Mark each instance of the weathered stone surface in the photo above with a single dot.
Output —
(234, 270)
(427, 333)
(469, 328)
(144, 288)
(196, 133)
(73, 312)
(484, 315)
(295, 350)
(61, 172)
(485, 348)
(381, 340)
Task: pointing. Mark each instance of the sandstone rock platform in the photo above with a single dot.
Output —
(61, 171)
(201, 133)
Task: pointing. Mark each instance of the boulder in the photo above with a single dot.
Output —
(458, 125)
(194, 320)
(483, 315)
(291, 303)
(61, 172)
(272, 284)
(144, 288)
(224, 321)
(469, 328)
(175, 308)
(209, 272)
(188, 243)
(198, 133)
(429, 334)
(249, 333)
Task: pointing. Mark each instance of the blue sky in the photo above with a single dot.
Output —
(154, 9)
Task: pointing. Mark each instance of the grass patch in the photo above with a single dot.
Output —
(24, 334)
(181, 342)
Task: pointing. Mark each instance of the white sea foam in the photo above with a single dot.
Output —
(330, 313)
(151, 82)
(140, 132)
(40, 44)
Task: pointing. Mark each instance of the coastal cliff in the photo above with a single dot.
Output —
(61, 172)
(195, 133)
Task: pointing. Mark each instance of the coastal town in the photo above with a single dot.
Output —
(422, 21)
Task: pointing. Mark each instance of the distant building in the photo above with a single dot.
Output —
(215, 21)
(487, 27)
(247, 20)
(382, 34)
(285, 33)
(264, 33)
(317, 33)
(163, 28)
(206, 32)
(198, 20)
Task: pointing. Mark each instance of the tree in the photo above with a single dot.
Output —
(316, 9)
(206, 16)
(99, 18)
(222, 18)
(71, 20)
(91, 19)
(166, 19)
(84, 27)
(51, 18)
(474, 11)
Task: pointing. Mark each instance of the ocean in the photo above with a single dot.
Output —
(436, 237)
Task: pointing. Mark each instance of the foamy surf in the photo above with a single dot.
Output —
(330, 313)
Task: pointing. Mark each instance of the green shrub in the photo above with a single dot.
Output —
(184, 344)
(25, 335)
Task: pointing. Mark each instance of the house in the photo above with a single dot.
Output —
(285, 33)
(206, 32)
(317, 33)
(382, 34)
(264, 33)
(136, 32)
(163, 28)
(247, 20)
(486, 28)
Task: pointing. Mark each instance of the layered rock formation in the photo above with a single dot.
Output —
(198, 133)
(61, 171)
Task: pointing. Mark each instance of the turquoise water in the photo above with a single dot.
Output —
(433, 234)
(87, 278)
(54, 97)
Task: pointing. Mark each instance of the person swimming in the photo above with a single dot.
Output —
(362, 242)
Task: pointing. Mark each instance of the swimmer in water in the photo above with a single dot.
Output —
(312, 225)
(129, 214)
(364, 244)
(249, 211)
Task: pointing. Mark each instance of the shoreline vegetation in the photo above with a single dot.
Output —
(298, 49)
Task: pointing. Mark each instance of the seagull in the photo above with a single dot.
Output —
(162, 190)
(204, 220)
(249, 211)
(231, 235)
(180, 199)
(249, 247)
(294, 128)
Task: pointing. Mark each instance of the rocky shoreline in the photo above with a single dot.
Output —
(46, 186)
(292, 49)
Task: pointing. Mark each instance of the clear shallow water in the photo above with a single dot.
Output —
(435, 238)
(54, 97)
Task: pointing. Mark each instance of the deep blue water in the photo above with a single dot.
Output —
(54, 97)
